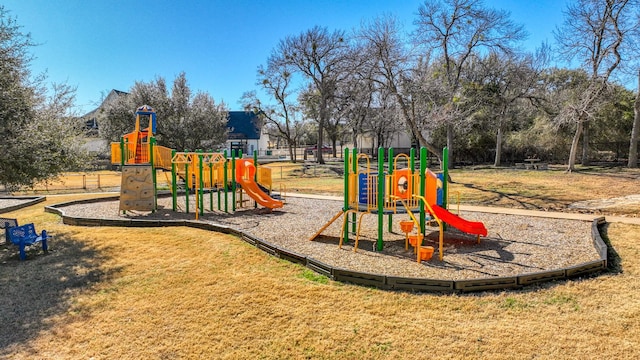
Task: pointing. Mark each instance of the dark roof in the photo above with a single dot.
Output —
(110, 97)
(243, 125)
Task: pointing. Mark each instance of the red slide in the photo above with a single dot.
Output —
(244, 176)
(469, 227)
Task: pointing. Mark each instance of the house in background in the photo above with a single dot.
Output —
(246, 133)
(91, 118)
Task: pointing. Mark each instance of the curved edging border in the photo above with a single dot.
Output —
(360, 278)
(34, 200)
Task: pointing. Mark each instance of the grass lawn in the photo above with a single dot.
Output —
(174, 293)
(552, 190)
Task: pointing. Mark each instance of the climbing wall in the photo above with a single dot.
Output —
(136, 188)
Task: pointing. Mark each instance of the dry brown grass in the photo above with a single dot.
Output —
(168, 293)
(545, 190)
(551, 190)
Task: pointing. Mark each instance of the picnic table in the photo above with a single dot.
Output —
(535, 164)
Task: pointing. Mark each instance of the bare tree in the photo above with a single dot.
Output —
(353, 103)
(455, 30)
(276, 79)
(392, 66)
(319, 56)
(594, 32)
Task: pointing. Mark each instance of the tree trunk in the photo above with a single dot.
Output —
(355, 139)
(497, 160)
(635, 132)
(292, 154)
(585, 144)
(450, 143)
(323, 113)
(574, 147)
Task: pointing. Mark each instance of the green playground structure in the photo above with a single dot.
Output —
(398, 189)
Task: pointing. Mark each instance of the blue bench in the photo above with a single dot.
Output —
(6, 223)
(26, 235)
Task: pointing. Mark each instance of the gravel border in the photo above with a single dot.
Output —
(518, 250)
(12, 203)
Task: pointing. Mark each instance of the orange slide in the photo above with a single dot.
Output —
(245, 171)
(469, 227)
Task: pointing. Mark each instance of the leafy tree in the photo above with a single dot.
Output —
(185, 121)
(41, 137)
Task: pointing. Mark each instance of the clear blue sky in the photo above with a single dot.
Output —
(99, 45)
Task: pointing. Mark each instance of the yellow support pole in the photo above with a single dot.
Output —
(326, 225)
(344, 223)
(355, 247)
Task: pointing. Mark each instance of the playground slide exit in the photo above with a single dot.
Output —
(466, 226)
(245, 172)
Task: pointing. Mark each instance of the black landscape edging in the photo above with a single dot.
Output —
(291, 256)
(417, 284)
(267, 247)
(598, 243)
(361, 278)
(541, 276)
(320, 267)
(497, 283)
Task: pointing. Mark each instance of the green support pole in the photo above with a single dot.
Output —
(200, 184)
(380, 244)
(174, 186)
(220, 190)
(412, 163)
(354, 167)
(152, 142)
(345, 206)
(240, 156)
(255, 164)
(210, 182)
(390, 161)
(233, 182)
(445, 177)
(225, 177)
(121, 153)
(423, 185)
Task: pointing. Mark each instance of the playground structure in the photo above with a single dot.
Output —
(418, 193)
(140, 158)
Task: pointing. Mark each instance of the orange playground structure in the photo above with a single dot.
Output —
(200, 171)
